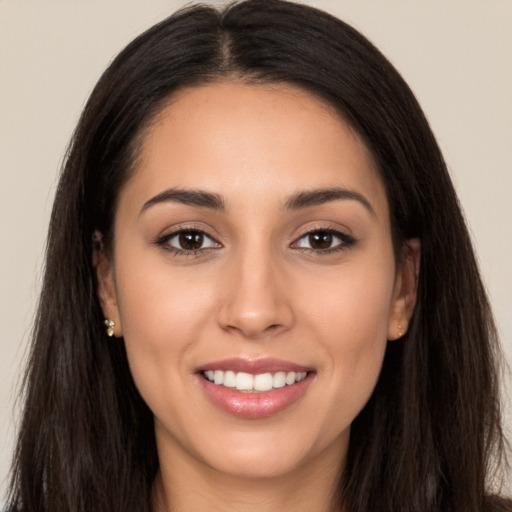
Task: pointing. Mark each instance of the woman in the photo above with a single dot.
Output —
(250, 301)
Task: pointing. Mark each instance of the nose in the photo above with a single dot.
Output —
(255, 301)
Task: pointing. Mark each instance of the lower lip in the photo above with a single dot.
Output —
(255, 405)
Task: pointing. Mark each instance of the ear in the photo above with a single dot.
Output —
(105, 281)
(405, 292)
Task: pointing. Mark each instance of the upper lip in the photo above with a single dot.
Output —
(254, 366)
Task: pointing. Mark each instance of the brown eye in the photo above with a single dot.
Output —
(324, 241)
(190, 240)
(320, 240)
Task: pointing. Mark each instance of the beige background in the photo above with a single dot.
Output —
(455, 54)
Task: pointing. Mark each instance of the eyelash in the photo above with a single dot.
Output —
(163, 242)
(346, 241)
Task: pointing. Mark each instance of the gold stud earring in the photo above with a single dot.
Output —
(110, 327)
(400, 333)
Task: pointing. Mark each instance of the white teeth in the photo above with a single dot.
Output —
(247, 382)
(218, 377)
(229, 379)
(263, 382)
(290, 378)
(300, 376)
(244, 381)
(279, 380)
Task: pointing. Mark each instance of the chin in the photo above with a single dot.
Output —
(271, 454)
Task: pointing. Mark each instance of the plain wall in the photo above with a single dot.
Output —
(455, 55)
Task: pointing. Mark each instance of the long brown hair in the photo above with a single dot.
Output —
(429, 439)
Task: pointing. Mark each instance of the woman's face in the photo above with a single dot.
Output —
(252, 249)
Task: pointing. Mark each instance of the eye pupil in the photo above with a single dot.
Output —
(191, 241)
(320, 240)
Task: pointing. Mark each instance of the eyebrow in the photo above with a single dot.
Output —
(189, 197)
(298, 201)
(318, 197)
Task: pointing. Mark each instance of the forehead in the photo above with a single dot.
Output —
(256, 141)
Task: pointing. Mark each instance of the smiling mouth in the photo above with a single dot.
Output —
(254, 389)
(249, 383)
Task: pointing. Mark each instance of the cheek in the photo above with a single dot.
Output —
(353, 305)
(349, 318)
(155, 299)
(161, 314)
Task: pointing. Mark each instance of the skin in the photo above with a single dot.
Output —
(254, 290)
